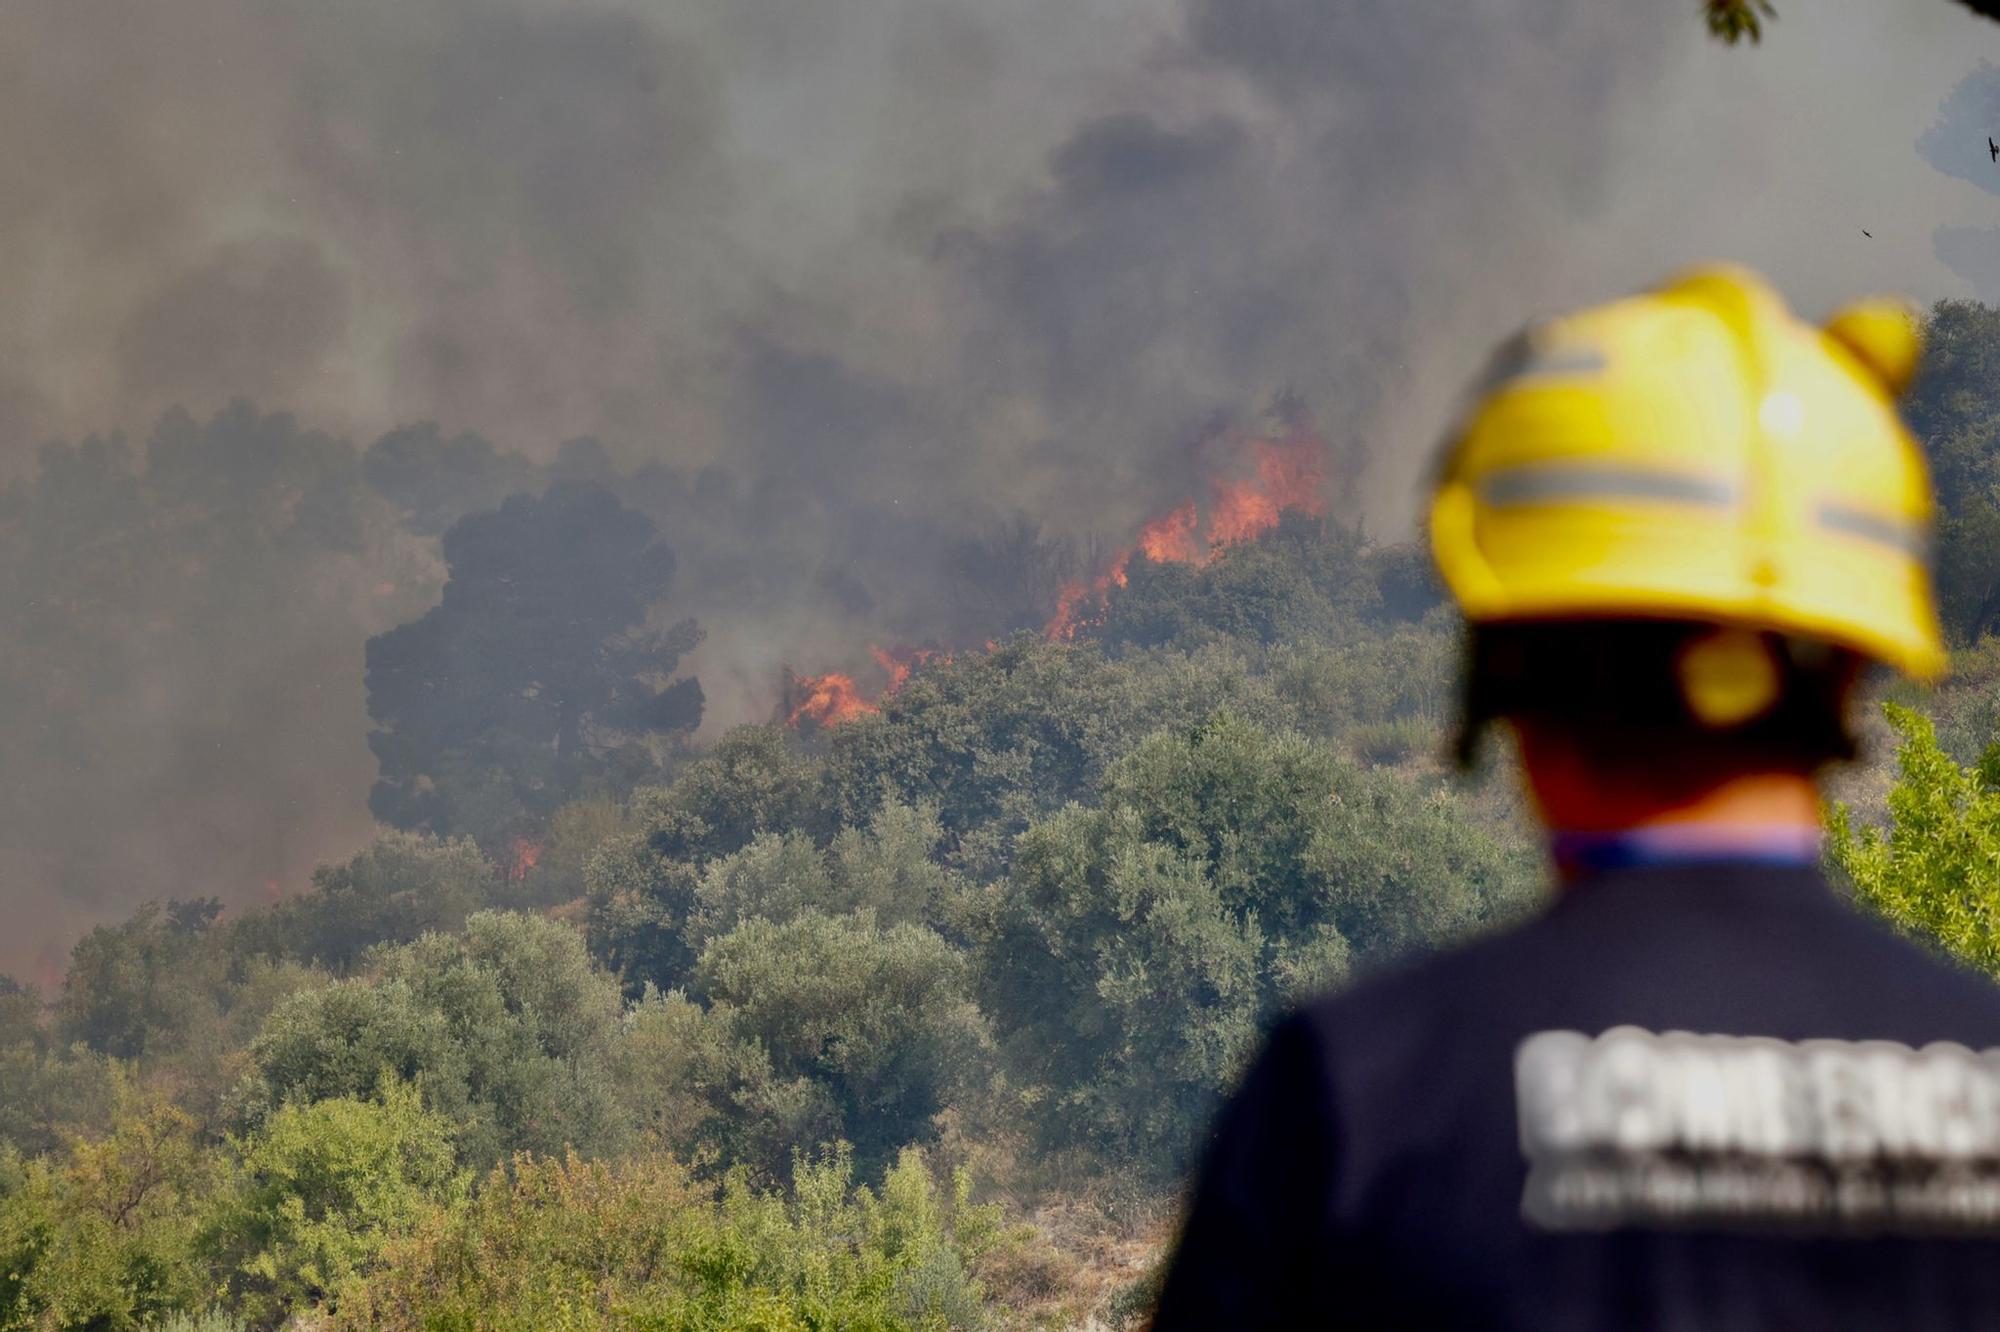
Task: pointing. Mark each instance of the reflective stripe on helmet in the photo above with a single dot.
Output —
(1545, 483)
(1884, 529)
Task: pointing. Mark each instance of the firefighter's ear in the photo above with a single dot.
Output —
(1884, 335)
(1728, 677)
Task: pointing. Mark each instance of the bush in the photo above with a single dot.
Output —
(214, 1320)
(110, 1236)
(322, 1189)
(396, 889)
(1935, 872)
(874, 1025)
(508, 1029)
(575, 1244)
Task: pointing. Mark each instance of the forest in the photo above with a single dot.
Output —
(905, 1007)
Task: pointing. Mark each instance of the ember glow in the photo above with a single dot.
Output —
(522, 856)
(1261, 478)
(49, 970)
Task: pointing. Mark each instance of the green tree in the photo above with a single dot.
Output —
(642, 887)
(990, 741)
(1732, 20)
(1935, 871)
(571, 1244)
(166, 986)
(106, 1236)
(401, 886)
(322, 1188)
(1226, 871)
(21, 1016)
(434, 481)
(538, 671)
(1954, 410)
(48, 1097)
(873, 1024)
(887, 868)
(1382, 697)
(1305, 579)
(508, 1028)
(575, 833)
(693, 1090)
(145, 984)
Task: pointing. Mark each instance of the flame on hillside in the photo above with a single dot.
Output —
(833, 698)
(1265, 478)
(897, 663)
(522, 856)
(1255, 480)
(825, 700)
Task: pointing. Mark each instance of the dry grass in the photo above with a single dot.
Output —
(1073, 1264)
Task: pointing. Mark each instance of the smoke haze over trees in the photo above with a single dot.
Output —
(915, 1017)
(534, 674)
(854, 305)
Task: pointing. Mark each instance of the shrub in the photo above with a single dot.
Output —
(1935, 871)
(322, 1188)
(577, 1244)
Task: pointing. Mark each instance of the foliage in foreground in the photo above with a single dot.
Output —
(574, 1244)
(1934, 872)
(352, 1208)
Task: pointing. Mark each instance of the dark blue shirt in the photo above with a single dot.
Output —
(1370, 1171)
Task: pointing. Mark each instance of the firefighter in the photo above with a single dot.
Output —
(1699, 1090)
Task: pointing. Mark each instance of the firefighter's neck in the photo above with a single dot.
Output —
(1747, 809)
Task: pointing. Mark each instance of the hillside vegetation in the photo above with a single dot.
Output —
(908, 1020)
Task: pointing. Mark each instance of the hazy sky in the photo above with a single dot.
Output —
(540, 219)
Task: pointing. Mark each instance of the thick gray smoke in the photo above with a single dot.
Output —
(893, 271)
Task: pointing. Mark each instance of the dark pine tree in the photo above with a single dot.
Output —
(537, 675)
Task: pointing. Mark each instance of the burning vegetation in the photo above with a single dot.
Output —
(1253, 481)
(833, 698)
(1260, 479)
(824, 700)
(523, 854)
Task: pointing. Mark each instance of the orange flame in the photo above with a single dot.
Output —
(826, 700)
(833, 698)
(1077, 603)
(1174, 539)
(1270, 477)
(897, 663)
(522, 856)
(1286, 475)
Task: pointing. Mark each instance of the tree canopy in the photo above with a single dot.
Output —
(538, 669)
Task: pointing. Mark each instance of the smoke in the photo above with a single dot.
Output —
(1958, 145)
(841, 288)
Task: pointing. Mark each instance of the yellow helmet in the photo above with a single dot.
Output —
(1699, 453)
